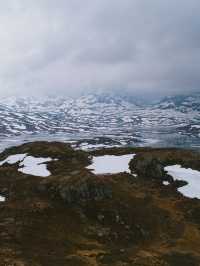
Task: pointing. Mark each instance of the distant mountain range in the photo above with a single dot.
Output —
(99, 115)
(183, 103)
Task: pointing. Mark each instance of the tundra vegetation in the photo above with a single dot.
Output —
(75, 217)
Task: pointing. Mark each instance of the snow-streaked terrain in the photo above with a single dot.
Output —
(29, 165)
(111, 164)
(121, 121)
(192, 177)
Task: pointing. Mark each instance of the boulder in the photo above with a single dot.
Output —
(148, 167)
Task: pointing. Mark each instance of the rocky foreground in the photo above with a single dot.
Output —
(74, 217)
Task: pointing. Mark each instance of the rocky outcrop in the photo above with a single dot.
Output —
(148, 167)
(85, 191)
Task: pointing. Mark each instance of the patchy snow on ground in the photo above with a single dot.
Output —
(29, 165)
(192, 177)
(87, 146)
(12, 159)
(111, 164)
(2, 199)
(35, 166)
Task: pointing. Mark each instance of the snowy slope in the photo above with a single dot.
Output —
(99, 115)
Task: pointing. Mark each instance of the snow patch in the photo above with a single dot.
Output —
(30, 165)
(35, 166)
(166, 183)
(2, 199)
(192, 177)
(111, 164)
(12, 159)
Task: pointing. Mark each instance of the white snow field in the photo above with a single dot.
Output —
(111, 164)
(192, 177)
(30, 165)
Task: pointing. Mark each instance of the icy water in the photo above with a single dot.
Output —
(148, 137)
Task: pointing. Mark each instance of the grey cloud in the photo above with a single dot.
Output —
(70, 46)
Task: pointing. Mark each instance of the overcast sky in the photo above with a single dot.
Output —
(71, 46)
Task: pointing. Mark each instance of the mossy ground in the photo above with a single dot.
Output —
(77, 218)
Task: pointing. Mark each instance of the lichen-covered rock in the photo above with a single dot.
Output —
(87, 190)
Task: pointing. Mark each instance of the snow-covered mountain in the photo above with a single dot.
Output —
(94, 115)
(34, 115)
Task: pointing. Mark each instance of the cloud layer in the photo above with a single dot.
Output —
(72, 46)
